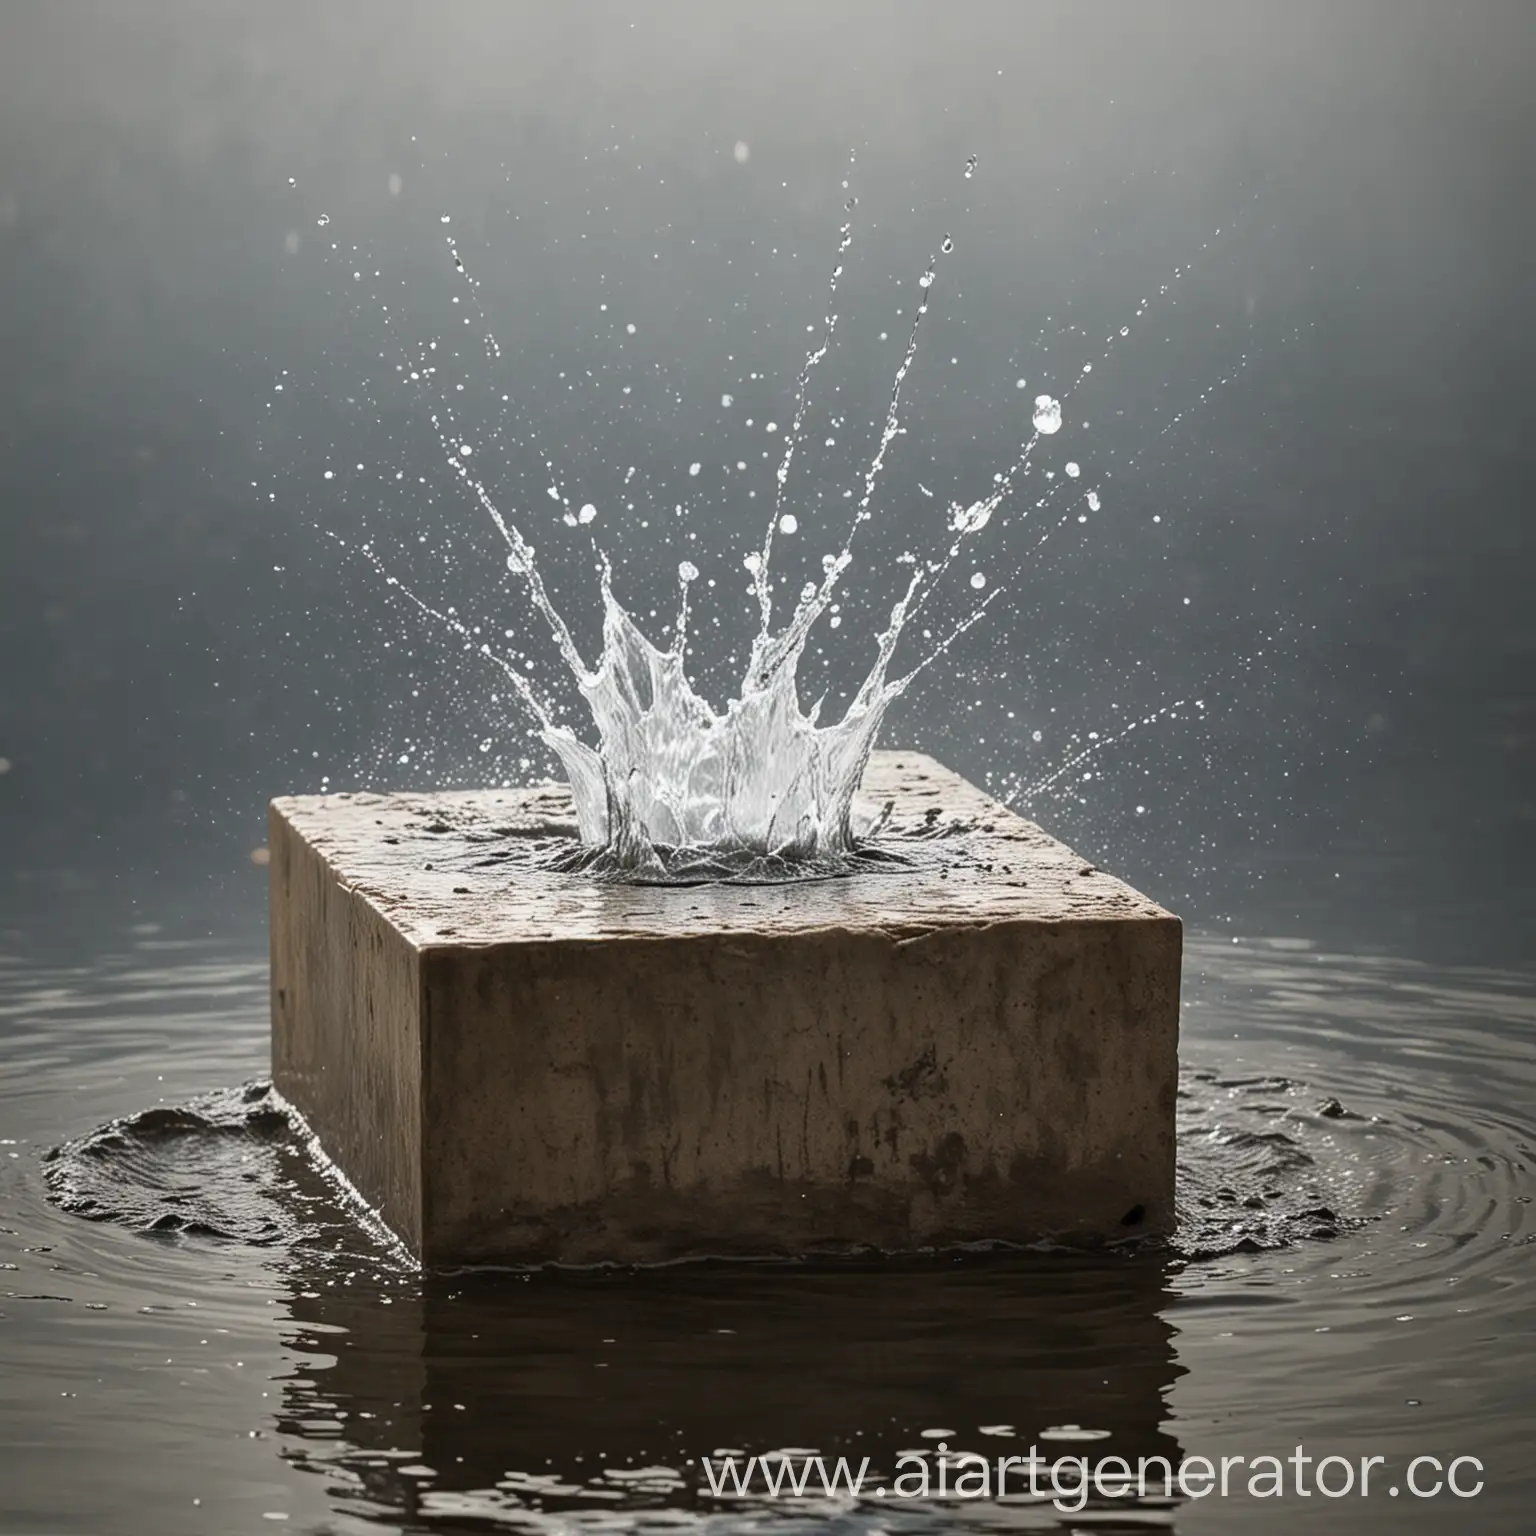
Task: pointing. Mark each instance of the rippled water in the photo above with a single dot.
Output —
(222, 1348)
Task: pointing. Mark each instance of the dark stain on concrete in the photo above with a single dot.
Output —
(941, 1168)
(920, 1079)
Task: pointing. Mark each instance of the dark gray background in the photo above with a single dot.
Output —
(1349, 514)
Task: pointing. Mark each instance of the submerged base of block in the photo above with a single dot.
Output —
(975, 1043)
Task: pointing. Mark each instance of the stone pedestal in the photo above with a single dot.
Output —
(517, 1065)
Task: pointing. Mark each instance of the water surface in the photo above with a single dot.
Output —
(230, 1351)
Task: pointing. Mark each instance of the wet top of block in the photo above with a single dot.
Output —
(470, 867)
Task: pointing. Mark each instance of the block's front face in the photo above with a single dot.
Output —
(768, 1094)
(982, 1046)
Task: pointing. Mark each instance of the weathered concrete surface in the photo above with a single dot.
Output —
(514, 1064)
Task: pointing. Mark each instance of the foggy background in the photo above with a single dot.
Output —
(1314, 450)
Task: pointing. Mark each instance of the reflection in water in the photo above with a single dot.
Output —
(1355, 1230)
(503, 1397)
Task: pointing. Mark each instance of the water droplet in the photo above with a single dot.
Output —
(1021, 383)
(1093, 501)
(727, 401)
(464, 448)
(772, 426)
(1047, 415)
(948, 245)
(1125, 330)
(753, 562)
(926, 280)
(630, 327)
(323, 220)
(1035, 736)
(330, 474)
(789, 523)
(693, 469)
(970, 519)
(587, 513)
(447, 219)
(687, 571)
(978, 580)
(1074, 470)
(1087, 367)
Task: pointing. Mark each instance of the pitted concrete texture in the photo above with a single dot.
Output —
(517, 1065)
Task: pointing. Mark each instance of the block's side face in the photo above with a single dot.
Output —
(346, 1040)
(648, 1099)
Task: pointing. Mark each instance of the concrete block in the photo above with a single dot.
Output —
(513, 1064)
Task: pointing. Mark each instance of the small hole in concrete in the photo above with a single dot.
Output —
(1134, 1217)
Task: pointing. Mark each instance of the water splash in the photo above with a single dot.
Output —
(675, 789)
(762, 789)
(759, 790)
